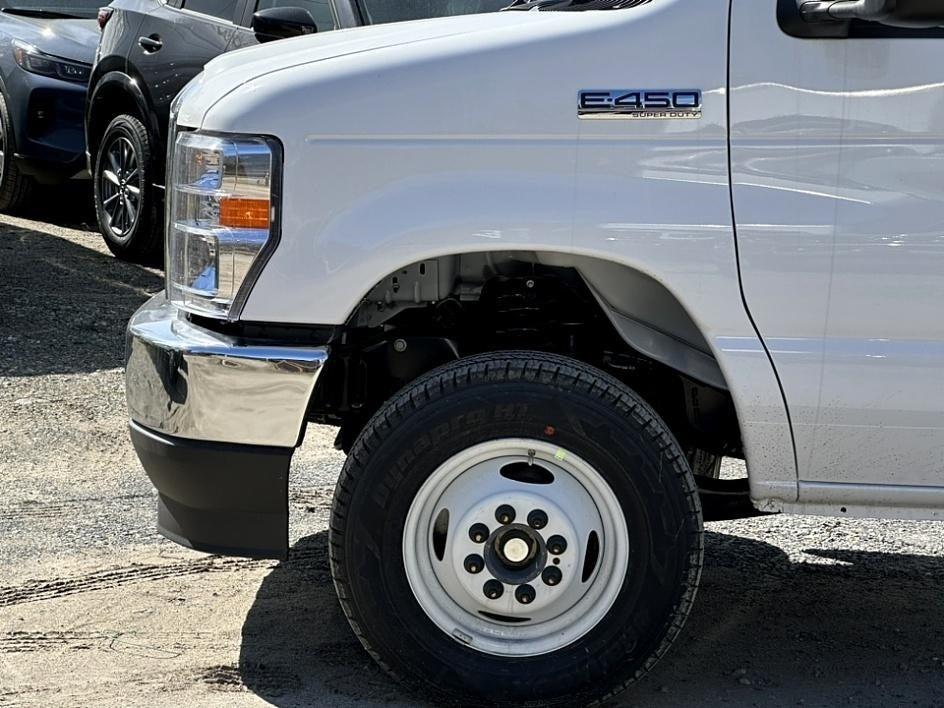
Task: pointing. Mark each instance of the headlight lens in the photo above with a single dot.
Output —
(221, 214)
(37, 62)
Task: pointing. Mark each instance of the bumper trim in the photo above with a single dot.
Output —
(189, 382)
(218, 498)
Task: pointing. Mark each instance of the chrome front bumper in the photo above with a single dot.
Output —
(188, 382)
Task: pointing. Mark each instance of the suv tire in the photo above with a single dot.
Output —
(126, 203)
(600, 429)
(16, 188)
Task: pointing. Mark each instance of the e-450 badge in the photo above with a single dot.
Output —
(640, 104)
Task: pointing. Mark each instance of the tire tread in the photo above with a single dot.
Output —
(518, 366)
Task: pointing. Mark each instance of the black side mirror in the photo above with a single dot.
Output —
(282, 23)
(916, 14)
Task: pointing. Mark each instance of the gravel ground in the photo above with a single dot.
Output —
(96, 608)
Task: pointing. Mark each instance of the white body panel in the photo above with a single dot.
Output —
(409, 142)
(467, 139)
(838, 165)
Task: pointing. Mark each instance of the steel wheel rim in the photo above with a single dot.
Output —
(470, 486)
(120, 186)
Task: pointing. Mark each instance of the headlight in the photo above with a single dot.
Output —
(221, 214)
(37, 62)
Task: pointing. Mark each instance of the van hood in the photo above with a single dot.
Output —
(229, 71)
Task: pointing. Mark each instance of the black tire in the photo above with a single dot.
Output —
(131, 223)
(16, 188)
(517, 394)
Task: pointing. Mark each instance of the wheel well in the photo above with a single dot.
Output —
(110, 101)
(439, 310)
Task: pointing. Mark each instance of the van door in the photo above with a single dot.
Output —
(837, 158)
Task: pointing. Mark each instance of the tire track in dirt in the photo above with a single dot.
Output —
(150, 645)
(21, 642)
(40, 590)
(60, 509)
(232, 677)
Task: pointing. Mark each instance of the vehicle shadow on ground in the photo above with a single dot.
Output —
(64, 306)
(68, 205)
(864, 631)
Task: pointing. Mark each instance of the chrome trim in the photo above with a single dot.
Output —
(189, 382)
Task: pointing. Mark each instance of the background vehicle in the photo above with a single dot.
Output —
(150, 49)
(531, 294)
(46, 52)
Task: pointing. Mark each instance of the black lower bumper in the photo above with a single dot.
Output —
(218, 497)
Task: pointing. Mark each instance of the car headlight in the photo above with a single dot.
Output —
(36, 62)
(222, 212)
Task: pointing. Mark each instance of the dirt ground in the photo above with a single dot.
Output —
(97, 609)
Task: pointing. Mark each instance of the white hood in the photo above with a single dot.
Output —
(227, 72)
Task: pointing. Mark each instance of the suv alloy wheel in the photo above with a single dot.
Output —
(125, 203)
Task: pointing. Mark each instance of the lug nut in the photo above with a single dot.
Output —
(478, 533)
(537, 519)
(525, 594)
(474, 563)
(493, 589)
(551, 576)
(505, 514)
(556, 545)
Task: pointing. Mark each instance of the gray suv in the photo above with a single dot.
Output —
(150, 49)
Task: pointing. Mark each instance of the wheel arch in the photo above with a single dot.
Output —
(114, 94)
(5, 94)
(608, 315)
(648, 316)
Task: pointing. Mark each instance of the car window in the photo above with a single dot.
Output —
(224, 9)
(320, 10)
(378, 11)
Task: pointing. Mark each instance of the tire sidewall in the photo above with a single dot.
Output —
(659, 517)
(16, 188)
(9, 146)
(140, 243)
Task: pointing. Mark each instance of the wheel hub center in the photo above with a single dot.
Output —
(515, 554)
(516, 550)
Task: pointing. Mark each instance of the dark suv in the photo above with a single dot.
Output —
(151, 48)
(46, 51)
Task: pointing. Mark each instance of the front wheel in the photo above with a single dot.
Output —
(516, 527)
(126, 203)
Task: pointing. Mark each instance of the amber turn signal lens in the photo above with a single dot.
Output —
(244, 213)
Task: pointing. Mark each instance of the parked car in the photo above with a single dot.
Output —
(533, 296)
(150, 49)
(46, 52)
